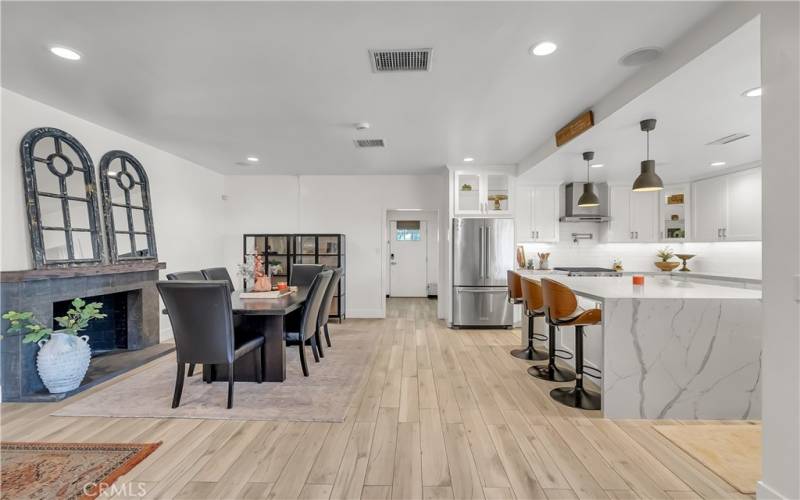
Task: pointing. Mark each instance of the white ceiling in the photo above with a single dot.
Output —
(215, 82)
(699, 103)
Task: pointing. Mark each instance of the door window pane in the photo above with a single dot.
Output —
(408, 230)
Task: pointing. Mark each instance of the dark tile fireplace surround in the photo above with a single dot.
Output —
(127, 338)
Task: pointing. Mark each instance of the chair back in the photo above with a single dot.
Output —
(201, 316)
(313, 304)
(532, 296)
(327, 299)
(219, 274)
(303, 274)
(187, 276)
(559, 300)
(514, 285)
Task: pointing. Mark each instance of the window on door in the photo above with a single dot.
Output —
(408, 230)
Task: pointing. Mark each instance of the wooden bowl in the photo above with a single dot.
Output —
(667, 266)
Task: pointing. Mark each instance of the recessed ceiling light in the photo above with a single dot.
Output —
(754, 92)
(65, 53)
(597, 165)
(252, 159)
(717, 163)
(469, 159)
(543, 49)
(362, 126)
(641, 56)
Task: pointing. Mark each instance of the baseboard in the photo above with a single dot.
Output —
(764, 492)
(365, 314)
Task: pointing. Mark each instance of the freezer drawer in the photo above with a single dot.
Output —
(481, 306)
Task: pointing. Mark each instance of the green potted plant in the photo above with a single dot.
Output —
(64, 356)
(665, 254)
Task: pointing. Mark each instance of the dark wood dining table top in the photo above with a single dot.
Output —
(269, 307)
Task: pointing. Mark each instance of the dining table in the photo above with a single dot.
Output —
(267, 318)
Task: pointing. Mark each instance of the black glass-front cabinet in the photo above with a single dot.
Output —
(281, 251)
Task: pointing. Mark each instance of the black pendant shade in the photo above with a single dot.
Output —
(588, 198)
(648, 180)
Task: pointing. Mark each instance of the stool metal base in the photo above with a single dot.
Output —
(576, 397)
(552, 373)
(530, 354)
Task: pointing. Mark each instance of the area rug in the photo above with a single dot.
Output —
(324, 396)
(733, 452)
(66, 470)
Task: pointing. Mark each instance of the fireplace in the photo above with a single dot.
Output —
(128, 337)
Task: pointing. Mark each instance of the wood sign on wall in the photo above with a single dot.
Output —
(576, 127)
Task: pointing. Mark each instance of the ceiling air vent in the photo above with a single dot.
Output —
(400, 60)
(727, 139)
(369, 143)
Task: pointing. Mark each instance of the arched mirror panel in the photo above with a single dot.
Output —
(127, 209)
(61, 199)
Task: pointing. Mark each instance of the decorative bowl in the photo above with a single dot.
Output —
(667, 266)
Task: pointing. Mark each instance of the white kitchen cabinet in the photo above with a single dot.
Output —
(536, 215)
(483, 193)
(634, 216)
(728, 207)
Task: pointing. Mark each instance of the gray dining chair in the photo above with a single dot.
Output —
(304, 274)
(306, 329)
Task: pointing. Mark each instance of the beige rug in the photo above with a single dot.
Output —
(733, 452)
(324, 396)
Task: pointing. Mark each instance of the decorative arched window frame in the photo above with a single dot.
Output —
(67, 197)
(127, 183)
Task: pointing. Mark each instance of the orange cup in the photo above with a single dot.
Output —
(282, 285)
(638, 279)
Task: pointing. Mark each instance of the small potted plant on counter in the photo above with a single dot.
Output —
(63, 357)
(665, 254)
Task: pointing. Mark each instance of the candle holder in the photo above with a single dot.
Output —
(684, 257)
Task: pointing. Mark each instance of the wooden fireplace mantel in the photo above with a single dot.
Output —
(79, 271)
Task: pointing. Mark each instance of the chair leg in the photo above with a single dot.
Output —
(529, 353)
(327, 335)
(191, 370)
(259, 371)
(303, 363)
(264, 362)
(212, 374)
(577, 396)
(176, 398)
(230, 385)
(318, 340)
(315, 348)
(551, 371)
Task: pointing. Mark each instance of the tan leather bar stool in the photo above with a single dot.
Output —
(561, 309)
(551, 371)
(532, 307)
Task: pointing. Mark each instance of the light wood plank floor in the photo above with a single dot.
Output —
(442, 414)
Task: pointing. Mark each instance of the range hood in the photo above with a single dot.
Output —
(574, 213)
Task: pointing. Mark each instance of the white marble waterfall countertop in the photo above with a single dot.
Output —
(655, 287)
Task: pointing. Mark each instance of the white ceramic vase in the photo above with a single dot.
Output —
(62, 361)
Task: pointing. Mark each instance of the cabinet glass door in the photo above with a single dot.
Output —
(498, 193)
(674, 214)
(468, 198)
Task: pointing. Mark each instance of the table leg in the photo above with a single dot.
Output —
(275, 347)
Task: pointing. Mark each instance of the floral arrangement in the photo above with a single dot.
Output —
(76, 319)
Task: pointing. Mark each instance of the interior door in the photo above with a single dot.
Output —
(408, 259)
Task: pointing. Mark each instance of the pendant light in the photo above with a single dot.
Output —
(648, 180)
(588, 198)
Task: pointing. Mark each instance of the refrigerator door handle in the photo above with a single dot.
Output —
(480, 252)
(486, 253)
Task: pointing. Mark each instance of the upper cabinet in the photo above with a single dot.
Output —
(674, 214)
(482, 193)
(536, 213)
(634, 216)
(728, 207)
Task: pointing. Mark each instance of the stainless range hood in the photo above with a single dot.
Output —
(574, 213)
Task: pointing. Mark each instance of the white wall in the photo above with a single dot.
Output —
(352, 205)
(739, 258)
(431, 218)
(186, 198)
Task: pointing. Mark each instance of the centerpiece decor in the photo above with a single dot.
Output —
(261, 281)
(64, 356)
(665, 254)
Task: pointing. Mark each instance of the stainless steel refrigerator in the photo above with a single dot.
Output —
(483, 251)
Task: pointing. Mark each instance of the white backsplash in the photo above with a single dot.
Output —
(738, 258)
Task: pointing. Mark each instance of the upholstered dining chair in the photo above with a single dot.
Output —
(325, 311)
(306, 329)
(187, 276)
(202, 323)
(303, 274)
(219, 273)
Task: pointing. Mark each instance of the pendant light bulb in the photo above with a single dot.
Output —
(648, 180)
(588, 198)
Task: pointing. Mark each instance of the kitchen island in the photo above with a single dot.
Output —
(672, 348)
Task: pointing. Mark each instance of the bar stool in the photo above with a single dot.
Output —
(532, 308)
(551, 371)
(561, 309)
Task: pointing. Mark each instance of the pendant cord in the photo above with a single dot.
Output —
(587, 171)
(648, 144)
